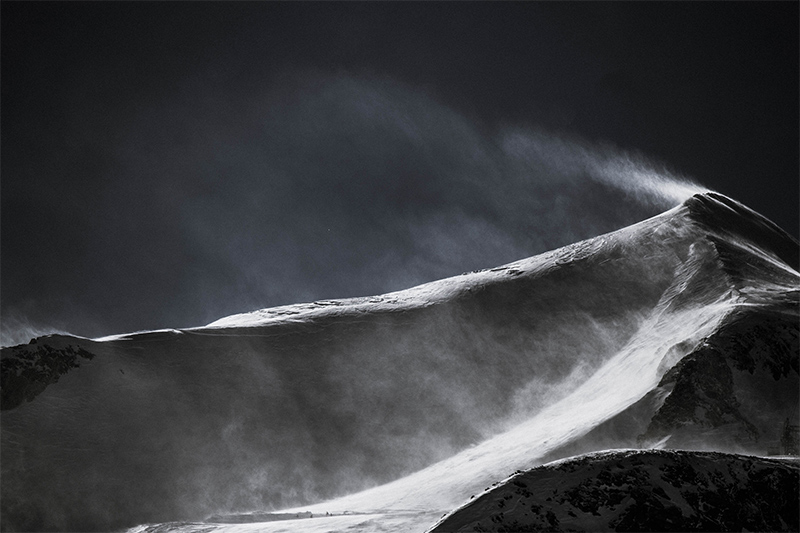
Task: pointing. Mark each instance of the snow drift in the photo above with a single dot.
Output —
(403, 405)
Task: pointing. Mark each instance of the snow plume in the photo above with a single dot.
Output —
(328, 186)
(319, 185)
(16, 329)
(576, 159)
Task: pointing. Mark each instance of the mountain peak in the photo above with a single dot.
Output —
(728, 218)
(303, 408)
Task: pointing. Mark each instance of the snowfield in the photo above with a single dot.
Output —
(386, 413)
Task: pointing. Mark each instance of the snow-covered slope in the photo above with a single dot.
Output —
(386, 412)
(633, 490)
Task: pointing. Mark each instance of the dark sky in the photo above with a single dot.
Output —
(167, 164)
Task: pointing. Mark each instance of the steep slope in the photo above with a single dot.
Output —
(736, 390)
(476, 376)
(640, 491)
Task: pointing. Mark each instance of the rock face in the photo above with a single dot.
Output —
(653, 490)
(27, 370)
(680, 330)
(746, 371)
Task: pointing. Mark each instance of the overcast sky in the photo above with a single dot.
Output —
(167, 164)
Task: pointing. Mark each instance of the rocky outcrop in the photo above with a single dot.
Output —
(27, 370)
(736, 389)
(640, 491)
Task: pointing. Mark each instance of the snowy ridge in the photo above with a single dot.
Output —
(725, 222)
(435, 291)
(383, 413)
(719, 217)
(735, 222)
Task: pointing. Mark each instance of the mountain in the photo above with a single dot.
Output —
(636, 490)
(384, 413)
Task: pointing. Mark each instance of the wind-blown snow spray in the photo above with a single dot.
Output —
(690, 309)
(333, 397)
(574, 159)
(328, 186)
(16, 329)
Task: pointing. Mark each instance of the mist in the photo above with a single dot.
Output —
(325, 406)
(326, 186)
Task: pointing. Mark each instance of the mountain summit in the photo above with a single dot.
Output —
(680, 331)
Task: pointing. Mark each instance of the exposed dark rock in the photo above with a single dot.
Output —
(27, 370)
(704, 393)
(640, 491)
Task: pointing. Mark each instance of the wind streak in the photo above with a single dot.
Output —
(575, 159)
